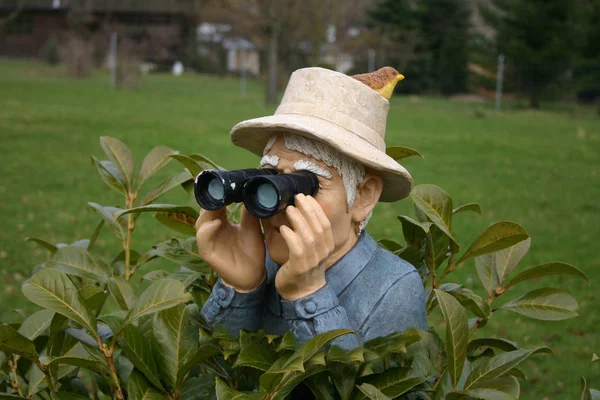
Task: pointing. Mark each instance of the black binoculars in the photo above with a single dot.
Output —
(264, 192)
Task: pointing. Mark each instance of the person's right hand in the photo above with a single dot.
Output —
(235, 252)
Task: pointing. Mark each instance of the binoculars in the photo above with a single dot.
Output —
(264, 192)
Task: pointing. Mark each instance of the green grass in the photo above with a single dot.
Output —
(538, 168)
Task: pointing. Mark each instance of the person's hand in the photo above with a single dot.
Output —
(235, 252)
(310, 242)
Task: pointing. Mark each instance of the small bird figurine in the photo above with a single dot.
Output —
(383, 81)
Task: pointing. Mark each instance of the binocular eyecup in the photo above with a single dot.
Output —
(264, 192)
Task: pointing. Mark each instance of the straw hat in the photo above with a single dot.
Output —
(338, 110)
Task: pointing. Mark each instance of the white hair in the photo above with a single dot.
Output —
(351, 172)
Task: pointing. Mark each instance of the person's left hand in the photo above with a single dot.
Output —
(310, 242)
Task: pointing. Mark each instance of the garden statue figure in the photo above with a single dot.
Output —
(312, 267)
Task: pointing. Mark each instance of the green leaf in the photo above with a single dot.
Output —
(486, 271)
(457, 334)
(498, 236)
(395, 381)
(157, 158)
(176, 341)
(111, 175)
(36, 324)
(45, 244)
(587, 392)
(138, 388)
(468, 207)
(160, 208)
(86, 363)
(224, 392)
(155, 275)
(414, 231)
(389, 245)
(497, 343)
(93, 297)
(553, 268)
(186, 276)
(108, 214)
(120, 155)
(6, 396)
(289, 382)
(73, 260)
(179, 221)
(170, 183)
(204, 351)
(506, 260)
(545, 304)
(259, 356)
(372, 392)
(595, 357)
(192, 165)
(198, 387)
(181, 252)
(473, 303)
(95, 235)
(121, 291)
(436, 204)
(68, 396)
(13, 342)
(504, 388)
(498, 365)
(161, 295)
(204, 161)
(139, 351)
(52, 289)
(316, 343)
(399, 153)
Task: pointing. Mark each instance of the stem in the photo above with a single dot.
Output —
(434, 285)
(46, 372)
(108, 355)
(127, 242)
(14, 381)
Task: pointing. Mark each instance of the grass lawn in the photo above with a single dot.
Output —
(538, 168)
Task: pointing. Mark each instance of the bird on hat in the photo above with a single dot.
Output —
(383, 81)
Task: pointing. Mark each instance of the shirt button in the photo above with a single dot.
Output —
(310, 307)
(222, 294)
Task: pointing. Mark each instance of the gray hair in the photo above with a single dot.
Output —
(351, 172)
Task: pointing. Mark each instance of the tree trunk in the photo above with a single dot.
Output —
(272, 65)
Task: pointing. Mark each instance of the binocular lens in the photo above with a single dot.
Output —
(266, 195)
(216, 189)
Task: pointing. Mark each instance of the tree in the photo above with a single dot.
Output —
(536, 37)
(586, 72)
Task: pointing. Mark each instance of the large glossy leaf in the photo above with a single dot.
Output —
(554, 268)
(198, 387)
(498, 236)
(474, 207)
(176, 341)
(224, 392)
(588, 393)
(472, 302)
(193, 166)
(437, 248)
(316, 343)
(179, 221)
(157, 158)
(93, 297)
(138, 388)
(36, 324)
(457, 334)
(486, 271)
(414, 231)
(399, 153)
(13, 342)
(504, 388)
(259, 356)
(37, 380)
(109, 215)
(505, 261)
(120, 155)
(161, 295)
(499, 365)
(371, 392)
(140, 352)
(52, 289)
(203, 352)
(545, 304)
(121, 291)
(170, 183)
(497, 343)
(394, 381)
(161, 208)
(285, 387)
(44, 243)
(182, 253)
(436, 204)
(73, 260)
(91, 364)
(110, 175)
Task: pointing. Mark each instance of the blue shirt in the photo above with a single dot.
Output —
(369, 290)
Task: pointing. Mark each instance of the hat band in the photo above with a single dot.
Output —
(337, 118)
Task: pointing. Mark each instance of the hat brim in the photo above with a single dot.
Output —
(254, 134)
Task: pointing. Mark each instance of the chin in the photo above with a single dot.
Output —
(276, 246)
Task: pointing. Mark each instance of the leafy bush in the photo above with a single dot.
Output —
(50, 52)
(154, 344)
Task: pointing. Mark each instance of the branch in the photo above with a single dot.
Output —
(13, 15)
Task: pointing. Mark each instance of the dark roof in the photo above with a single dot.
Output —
(146, 6)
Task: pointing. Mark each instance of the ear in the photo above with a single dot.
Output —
(367, 196)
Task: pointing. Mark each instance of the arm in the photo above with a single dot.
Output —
(401, 307)
(234, 309)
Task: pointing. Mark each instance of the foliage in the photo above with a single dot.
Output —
(158, 345)
(50, 51)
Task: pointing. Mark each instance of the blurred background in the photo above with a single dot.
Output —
(502, 97)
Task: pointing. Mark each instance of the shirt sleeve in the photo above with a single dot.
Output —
(235, 310)
(401, 307)
(317, 313)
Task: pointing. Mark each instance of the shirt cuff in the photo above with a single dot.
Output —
(226, 296)
(308, 307)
